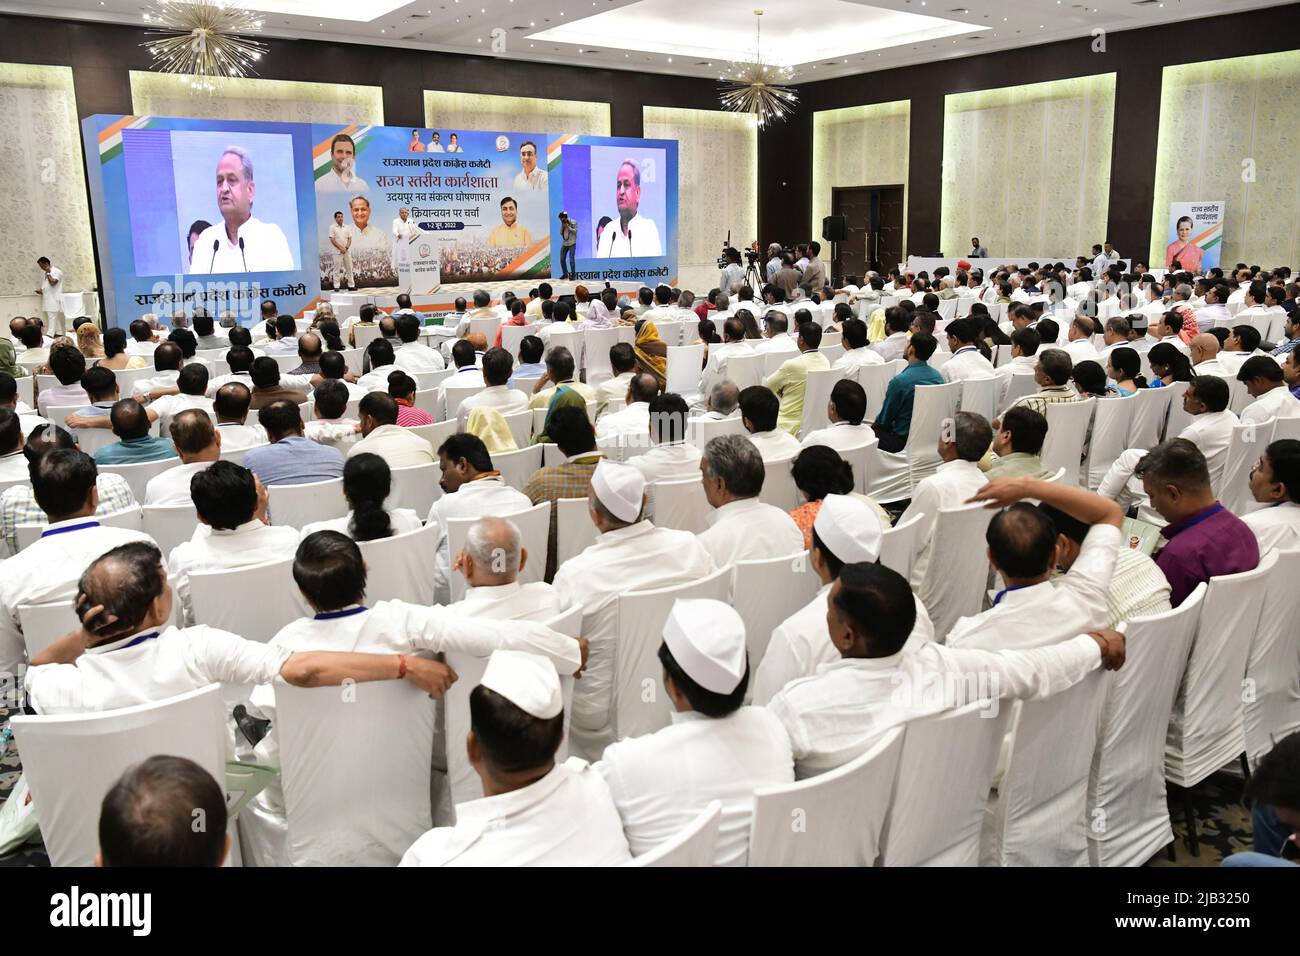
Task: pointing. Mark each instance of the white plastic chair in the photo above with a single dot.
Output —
(874, 380)
(641, 617)
(397, 568)
(1148, 417)
(817, 395)
(957, 574)
(429, 381)
(1247, 443)
(71, 762)
(681, 505)
(766, 592)
(426, 399)
(1128, 813)
(980, 395)
(900, 544)
(1273, 667)
(1067, 427)
(684, 365)
(43, 624)
(457, 394)
(1018, 385)
(692, 846)
(596, 344)
(517, 467)
(435, 434)
(521, 427)
(700, 430)
(574, 532)
(414, 487)
(900, 471)
(253, 602)
(534, 526)
(486, 327)
(512, 335)
(1178, 417)
(862, 459)
(743, 370)
(299, 505)
(569, 338)
(1111, 424)
(347, 801)
(1039, 816)
(128, 518)
(942, 786)
(169, 525)
(779, 488)
(138, 475)
(841, 812)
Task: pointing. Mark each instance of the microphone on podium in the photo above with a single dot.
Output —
(241, 253)
(216, 247)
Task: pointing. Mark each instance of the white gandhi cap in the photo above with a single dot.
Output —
(850, 528)
(619, 488)
(707, 639)
(528, 681)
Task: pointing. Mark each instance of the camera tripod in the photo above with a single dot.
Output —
(754, 276)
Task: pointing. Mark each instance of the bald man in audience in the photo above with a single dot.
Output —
(134, 445)
(742, 528)
(310, 349)
(629, 428)
(63, 482)
(516, 727)
(715, 748)
(630, 553)
(1275, 483)
(1205, 357)
(722, 402)
(199, 445)
(230, 406)
(876, 685)
(491, 560)
(149, 817)
(1079, 340)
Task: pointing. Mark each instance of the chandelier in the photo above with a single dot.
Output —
(202, 39)
(756, 87)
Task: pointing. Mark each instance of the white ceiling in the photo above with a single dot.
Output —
(822, 39)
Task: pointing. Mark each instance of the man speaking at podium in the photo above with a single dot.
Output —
(239, 243)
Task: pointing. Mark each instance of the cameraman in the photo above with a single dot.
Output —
(568, 247)
(733, 274)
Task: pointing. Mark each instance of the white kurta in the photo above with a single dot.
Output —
(750, 530)
(567, 818)
(775, 445)
(841, 436)
(1278, 403)
(172, 487)
(213, 549)
(484, 497)
(504, 399)
(265, 250)
(611, 390)
(1211, 432)
(418, 357)
(674, 461)
(949, 487)
(634, 558)
(630, 422)
(641, 239)
(845, 708)
(661, 781)
(967, 363)
(1277, 526)
(511, 602)
(236, 437)
(398, 446)
(854, 359)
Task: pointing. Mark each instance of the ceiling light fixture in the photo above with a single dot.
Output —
(203, 39)
(756, 87)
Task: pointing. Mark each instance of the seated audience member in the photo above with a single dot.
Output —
(334, 368)
(116, 356)
(168, 359)
(622, 361)
(13, 463)
(571, 431)
(1018, 443)
(472, 488)
(776, 337)
(467, 373)
(530, 361)
(1239, 345)
(760, 411)
(734, 342)
(894, 423)
(148, 817)
(629, 554)
(143, 340)
(629, 428)
(951, 486)
(661, 781)
(490, 562)
(68, 365)
(240, 359)
(560, 370)
(496, 373)
(841, 711)
(1275, 483)
(1206, 400)
(310, 349)
(413, 355)
(401, 388)
(290, 458)
(135, 445)
(967, 361)
(329, 427)
(516, 726)
(894, 345)
(1274, 792)
(1025, 343)
(35, 351)
(1265, 382)
(198, 444)
(1079, 342)
(722, 402)
(382, 436)
(670, 457)
(1052, 376)
(857, 352)
(367, 482)
(267, 387)
(9, 400)
(790, 381)
(64, 487)
(190, 392)
(286, 337)
(379, 364)
(1203, 539)
(233, 531)
(819, 471)
(742, 528)
(850, 531)
(846, 411)
(231, 409)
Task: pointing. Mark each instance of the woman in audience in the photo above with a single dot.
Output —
(747, 319)
(329, 332)
(708, 333)
(1090, 380)
(1168, 365)
(90, 343)
(990, 334)
(564, 397)
(820, 471)
(115, 356)
(843, 312)
(651, 351)
(581, 300)
(1124, 367)
(367, 481)
(402, 388)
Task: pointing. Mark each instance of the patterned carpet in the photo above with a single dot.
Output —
(1223, 822)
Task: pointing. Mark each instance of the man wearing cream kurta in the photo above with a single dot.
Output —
(790, 381)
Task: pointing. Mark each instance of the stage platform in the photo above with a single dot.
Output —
(444, 300)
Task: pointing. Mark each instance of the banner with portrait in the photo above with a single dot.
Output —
(1195, 237)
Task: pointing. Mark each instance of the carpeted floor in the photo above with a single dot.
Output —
(1223, 821)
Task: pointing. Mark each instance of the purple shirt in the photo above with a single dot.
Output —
(1207, 544)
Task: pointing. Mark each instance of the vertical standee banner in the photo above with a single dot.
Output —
(414, 212)
(1195, 235)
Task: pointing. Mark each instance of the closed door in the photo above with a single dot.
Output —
(852, 255)
(888, 246)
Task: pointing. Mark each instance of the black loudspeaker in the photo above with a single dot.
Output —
(835, 228)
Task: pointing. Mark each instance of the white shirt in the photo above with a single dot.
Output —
(1277, 526)
(1278, 403)
(338, 432)
(398, 446)
(715, 369)
(511, 602)
(404, 230)
(856, 358)
(750, 530)
(642, 239)
(47, 571)
(967, 363)
(841, 436)
(949, 487)
(13, 466)
(1211, 432)
(1082, 350)
(661, 781)
(265, 249)
(731, 278)
(51, 293)
(164, 379)
(611, 390)
(781, 342)
(629, 426)
(841, 711)
(169, 406)
(465, 375)
(776, 444)
(672, 461)
(484, 497)
(401, 520)
(504, 399)
(892, 346)
(143, 349)
(1051, 611)
(343, 236)
(376, 380)
(417, 357)
(172, 487)
(335, 182)
(801, 644)
(633, 558)
(537, 179)
(236, 437)
(567, 818)
(216, 549)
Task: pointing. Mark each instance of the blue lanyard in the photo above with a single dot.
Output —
(1208, 513)
(73, 527)
(139, 640)
(347, 612)
(997, 598)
